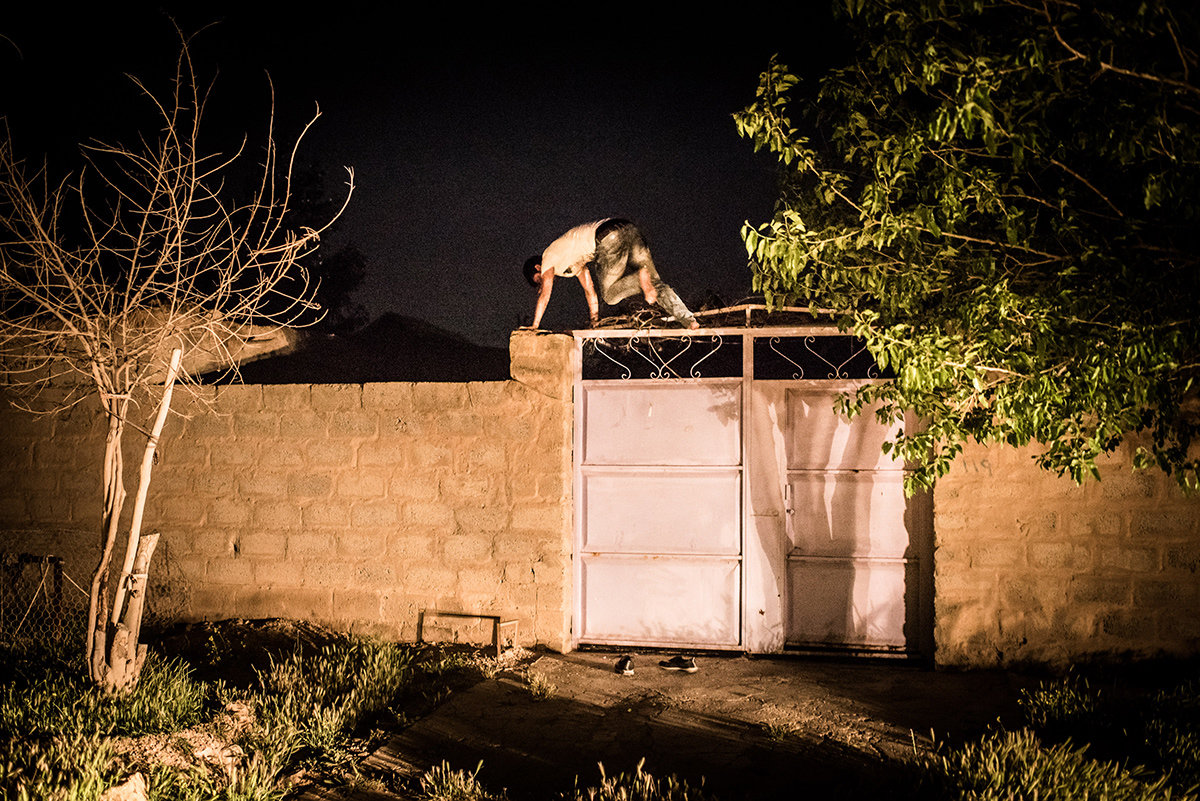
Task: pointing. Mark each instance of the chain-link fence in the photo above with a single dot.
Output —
(39, 602)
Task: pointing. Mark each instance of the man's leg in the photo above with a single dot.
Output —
(669, 301)
(647, 273)
(625, 267)
(616, 277)
(649, 290)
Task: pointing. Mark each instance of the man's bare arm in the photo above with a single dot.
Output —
(648, 290)
(589, 291)
(546, 287)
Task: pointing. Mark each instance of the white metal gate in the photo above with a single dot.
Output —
(660, 485)
(848, 564)
(738, 511)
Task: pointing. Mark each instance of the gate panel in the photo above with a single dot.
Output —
(820, 439)
(848, 514)
(660, 509)
(680, 601)
(665, 423)
(847, 567)
(846, 602)
(650, 511)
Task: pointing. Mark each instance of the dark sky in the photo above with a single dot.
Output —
(475, 140)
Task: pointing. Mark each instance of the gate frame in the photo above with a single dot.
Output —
(923, 610)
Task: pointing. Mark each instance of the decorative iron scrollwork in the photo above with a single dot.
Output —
(594, 346)
(838, 357)
(647, 355)
(838, 371)
(655, 357)
(775, 341)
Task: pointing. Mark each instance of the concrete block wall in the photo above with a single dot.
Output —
(350, 505)
(359, 505)
(1030, 568)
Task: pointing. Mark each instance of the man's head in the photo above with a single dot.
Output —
(533, 270)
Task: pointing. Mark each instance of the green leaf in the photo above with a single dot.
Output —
(1012, 229)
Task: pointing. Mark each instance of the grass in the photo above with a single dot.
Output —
(1157, 730)
(1017, 764)
(443, 783)
(311, 716)
(307, 707)
(66, 767)
(539, 686)
(1123, 743)
(46, 694)
(778, 730)
(638, 785)
(58, 731)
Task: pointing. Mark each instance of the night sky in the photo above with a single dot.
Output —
(475, 140)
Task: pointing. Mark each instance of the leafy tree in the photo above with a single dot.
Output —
(1002, 197)
(119, 284)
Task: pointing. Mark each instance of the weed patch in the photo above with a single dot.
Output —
(442, 783)
(308, 714)
(1007, 765)
(638, 785)
(1157, 730)
(540, 687)
(58, 728)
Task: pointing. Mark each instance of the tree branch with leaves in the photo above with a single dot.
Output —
(1003, 199)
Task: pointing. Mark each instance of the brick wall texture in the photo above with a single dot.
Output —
(352, 505)
(1029, 568)
(357, 506)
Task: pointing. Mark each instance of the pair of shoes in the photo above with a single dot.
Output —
(685, 664)
(624, 666)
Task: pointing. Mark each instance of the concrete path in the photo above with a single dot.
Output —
(752, 728)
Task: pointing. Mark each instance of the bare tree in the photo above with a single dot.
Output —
(118, 283)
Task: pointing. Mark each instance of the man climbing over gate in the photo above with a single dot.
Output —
(617, 251)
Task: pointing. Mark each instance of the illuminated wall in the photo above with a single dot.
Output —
(358, 505)
(350, 505)
(1031, 568)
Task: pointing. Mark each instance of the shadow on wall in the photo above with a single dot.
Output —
(393, 348)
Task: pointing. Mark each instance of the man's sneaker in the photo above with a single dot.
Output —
(684, 663)
(624, 666)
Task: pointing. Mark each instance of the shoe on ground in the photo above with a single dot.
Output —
(685, 664)
(624, 666)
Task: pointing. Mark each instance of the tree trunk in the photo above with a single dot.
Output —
(143, 489)
(114, 502)
(126, 655)
(115, 656)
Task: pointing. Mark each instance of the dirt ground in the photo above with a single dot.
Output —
(747, 727)
(750, 727)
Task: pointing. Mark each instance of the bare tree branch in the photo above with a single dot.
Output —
(145, 261)
(1106, 66)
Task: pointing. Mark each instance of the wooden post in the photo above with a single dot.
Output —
(139, 500)
(127, 655)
